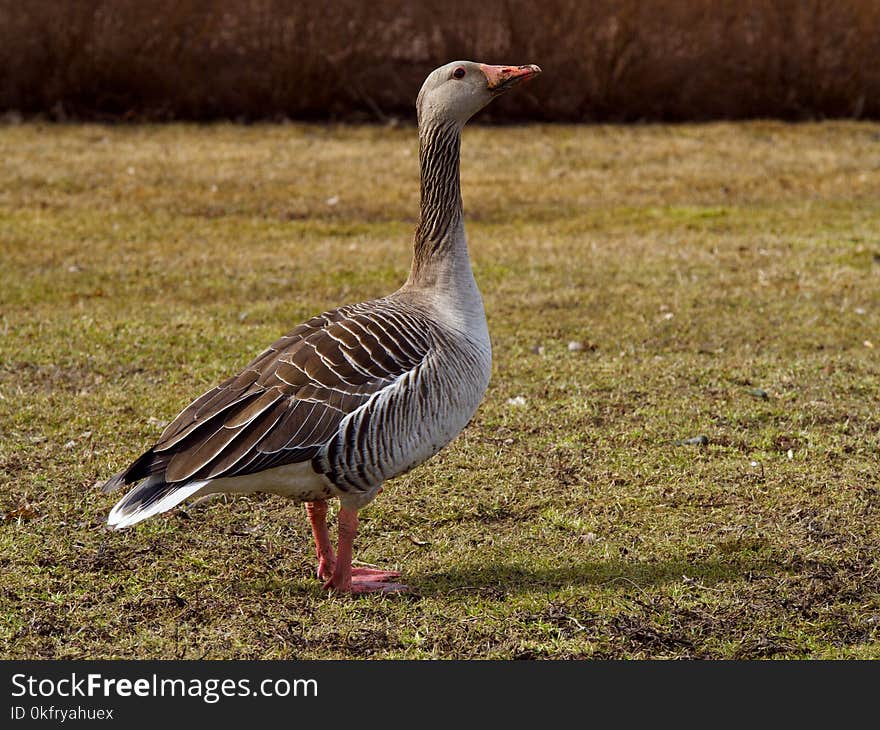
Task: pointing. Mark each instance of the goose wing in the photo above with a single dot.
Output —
(286, 404)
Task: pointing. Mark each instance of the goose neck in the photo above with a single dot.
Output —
(439, 235)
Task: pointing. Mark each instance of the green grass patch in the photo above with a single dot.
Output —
(723, 281)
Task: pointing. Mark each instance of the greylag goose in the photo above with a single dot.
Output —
(356, 395)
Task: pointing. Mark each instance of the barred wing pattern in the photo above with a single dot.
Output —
(290, 400)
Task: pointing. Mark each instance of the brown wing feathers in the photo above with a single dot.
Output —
(287, 403)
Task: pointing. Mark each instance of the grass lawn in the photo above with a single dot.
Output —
(723, 282)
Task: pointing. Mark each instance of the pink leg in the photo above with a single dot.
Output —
(317, 512)
(346, 579)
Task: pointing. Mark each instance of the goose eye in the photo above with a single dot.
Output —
(459, 73)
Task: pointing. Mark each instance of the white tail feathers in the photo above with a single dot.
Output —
(130, 509)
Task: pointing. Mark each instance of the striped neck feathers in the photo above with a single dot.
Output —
(439, 231)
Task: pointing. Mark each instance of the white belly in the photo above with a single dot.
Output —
(297, 481)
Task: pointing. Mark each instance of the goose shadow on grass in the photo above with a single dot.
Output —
(628, 575)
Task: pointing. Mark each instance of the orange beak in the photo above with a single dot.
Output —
(502, 78)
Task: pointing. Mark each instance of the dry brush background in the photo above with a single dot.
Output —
(603, 60)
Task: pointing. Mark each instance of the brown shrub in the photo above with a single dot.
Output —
(343, 59)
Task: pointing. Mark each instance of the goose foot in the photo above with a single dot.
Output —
(377, 582)
(364, 580)
(345, 578)
(325, 569)
(374, 586)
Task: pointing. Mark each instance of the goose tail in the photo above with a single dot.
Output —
(150, 497)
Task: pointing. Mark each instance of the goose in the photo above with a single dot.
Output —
(357, 395)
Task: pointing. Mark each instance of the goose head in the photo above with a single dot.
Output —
(455, 92)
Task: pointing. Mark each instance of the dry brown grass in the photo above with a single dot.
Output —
(603, 60)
